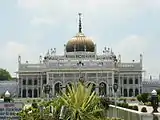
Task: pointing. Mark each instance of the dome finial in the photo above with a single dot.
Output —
(80, 23)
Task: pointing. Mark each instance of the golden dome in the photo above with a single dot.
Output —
(80, 43)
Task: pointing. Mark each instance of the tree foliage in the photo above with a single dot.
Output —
(4, 75)
(144, 97)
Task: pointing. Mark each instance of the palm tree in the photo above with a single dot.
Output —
(81, 103)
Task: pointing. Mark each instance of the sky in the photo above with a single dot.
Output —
(30, 27)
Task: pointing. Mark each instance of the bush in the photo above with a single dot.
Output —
(143, 97)
(135, 107)
(133, 99)
(139, 98)
(148, 103)
(34, 104)
(124, 105)
(144, 109)
(130, 107)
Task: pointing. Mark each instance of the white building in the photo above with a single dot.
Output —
(150, 85)
(80, 61)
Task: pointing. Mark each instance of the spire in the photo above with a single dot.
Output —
(80, 23)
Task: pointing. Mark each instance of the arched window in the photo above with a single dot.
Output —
(35, 93)
(130, 81)
(35, 82)
(30, 93)
(130, 92)
(136, 92)
(24, 93)
(125, 81)
(125, 93)
(24, 81)
(57, 88)
(136, 80)
(102, 88)
(29, 81)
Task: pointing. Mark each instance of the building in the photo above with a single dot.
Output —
(11, 86)
(149, 85)
(80, 61)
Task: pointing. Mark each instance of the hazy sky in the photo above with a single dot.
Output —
(31, 27)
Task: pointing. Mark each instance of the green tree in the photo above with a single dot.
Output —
(4, 75)
(144, 97)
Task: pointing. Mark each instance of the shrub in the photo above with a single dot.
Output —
(135, 107)
(133, 99)
(34, 104)
(148, 104)
(139, 98)
(144, 109)
(143, 97)
(130, 107)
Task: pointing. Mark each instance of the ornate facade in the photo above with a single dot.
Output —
(80, 61)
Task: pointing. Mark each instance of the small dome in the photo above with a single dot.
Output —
(80, 43)
(154, 92)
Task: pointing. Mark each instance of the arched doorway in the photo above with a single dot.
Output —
(57, 88)
(125, 93)
(24, 93)
(30, 93)
(130, 92)
(93, 86)
(35, 93)
(69, 85)
(102, 88)
(136, 92)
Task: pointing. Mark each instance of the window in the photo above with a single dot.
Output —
(35, 81)
(115, 80)
(29, 81)
(130, 81)
(136, 80)
(44, 81)
(24, 81)
(125, 81)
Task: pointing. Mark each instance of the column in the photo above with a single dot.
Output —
(21, 92)
(32, 92)
(38, 92)
(112, 82)
(122, 83)
(41, 85)
(127, 92)
(26, 92)
(97, 84)
(21, 86)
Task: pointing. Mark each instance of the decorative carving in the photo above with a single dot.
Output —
(40, 59)
(19, 59)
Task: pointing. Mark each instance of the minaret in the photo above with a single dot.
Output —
(80, 23)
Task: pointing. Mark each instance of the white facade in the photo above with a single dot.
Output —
(150, 85)
(81, 63)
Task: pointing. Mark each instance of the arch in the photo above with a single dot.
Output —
(24, 93)
(102, 88)
(35, 93)
(57, 88)
(125, 93)
(30, 93)
(130, 92)
(93, 86)
(136, 92)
